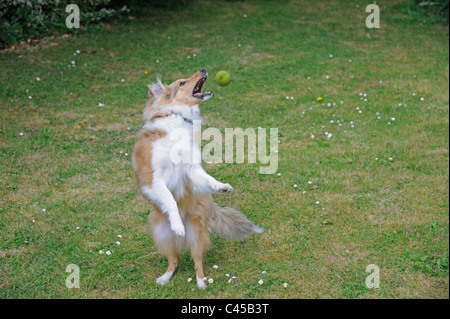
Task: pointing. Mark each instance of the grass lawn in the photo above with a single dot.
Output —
(375, 191)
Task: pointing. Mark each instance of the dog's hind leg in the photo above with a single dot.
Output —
(198, 239)
(173, 263)
(166, 244)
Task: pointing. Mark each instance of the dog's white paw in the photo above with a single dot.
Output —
(201, 283)
(177, 227)
(164, 279)
(226, 188)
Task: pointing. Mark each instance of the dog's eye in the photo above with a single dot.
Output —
(182, 83)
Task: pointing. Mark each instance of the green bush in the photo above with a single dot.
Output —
(426, 11)
(21, 20)
(436, 8)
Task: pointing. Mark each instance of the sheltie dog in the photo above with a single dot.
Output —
(180, 192)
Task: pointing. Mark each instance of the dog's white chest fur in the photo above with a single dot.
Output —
(175, 155)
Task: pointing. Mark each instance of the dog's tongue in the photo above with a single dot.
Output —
(198, 94)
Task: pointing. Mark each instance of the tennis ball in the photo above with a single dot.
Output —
(223, 78)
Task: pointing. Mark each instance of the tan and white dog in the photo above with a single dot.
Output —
(184, 213)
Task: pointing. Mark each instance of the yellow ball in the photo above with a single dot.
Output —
(223, 78)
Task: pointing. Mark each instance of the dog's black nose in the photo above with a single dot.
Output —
(203, 71)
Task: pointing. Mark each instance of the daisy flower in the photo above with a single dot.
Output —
(260, 282)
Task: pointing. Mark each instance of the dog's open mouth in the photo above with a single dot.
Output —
(197, 92)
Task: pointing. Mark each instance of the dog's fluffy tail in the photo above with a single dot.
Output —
(230, 223)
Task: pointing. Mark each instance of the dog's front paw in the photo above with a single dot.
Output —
(178, 228)
(226, 188)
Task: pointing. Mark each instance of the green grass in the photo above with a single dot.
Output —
(70, 160)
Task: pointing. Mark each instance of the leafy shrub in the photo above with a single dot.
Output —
(436, 8)
(24, 19)
(426, 11)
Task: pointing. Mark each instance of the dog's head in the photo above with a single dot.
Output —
(183, 91)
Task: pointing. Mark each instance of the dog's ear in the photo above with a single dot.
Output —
(171, 90)
(156, 89)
